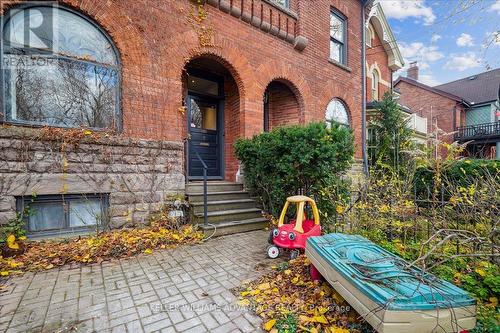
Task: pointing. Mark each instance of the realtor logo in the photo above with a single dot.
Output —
(31, 27)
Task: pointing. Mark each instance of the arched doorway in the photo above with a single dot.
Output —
(281, 106)
(212, 108)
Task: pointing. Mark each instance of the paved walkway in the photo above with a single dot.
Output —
(186, 289)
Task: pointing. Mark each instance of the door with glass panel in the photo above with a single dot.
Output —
(204, 137)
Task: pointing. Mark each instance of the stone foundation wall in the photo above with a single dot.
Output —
(139, 175)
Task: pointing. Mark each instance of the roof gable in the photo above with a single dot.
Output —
(379, 22)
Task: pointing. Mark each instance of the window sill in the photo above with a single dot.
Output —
(14, 123)
(61, 234)
(285, 10)
(338, 64)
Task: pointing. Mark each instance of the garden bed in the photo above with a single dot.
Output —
(289, 301)
(42, 255)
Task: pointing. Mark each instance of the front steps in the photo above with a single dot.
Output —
(230, 208)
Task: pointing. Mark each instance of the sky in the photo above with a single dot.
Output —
(450, 39)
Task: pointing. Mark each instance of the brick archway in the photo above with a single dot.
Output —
(230, 110)
(288, 75)
(282, 104)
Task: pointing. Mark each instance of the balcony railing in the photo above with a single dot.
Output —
(417, 123)
(481, 131)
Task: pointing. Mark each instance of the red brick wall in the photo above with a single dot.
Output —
(376, 54)
(231, 125)
(157, 38)
(436, 108)
(283, 105)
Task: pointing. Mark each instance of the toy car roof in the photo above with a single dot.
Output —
(299, 198)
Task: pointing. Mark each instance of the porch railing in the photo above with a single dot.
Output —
(187, 149)
(481, 131)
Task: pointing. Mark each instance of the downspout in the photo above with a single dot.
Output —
(363, 87)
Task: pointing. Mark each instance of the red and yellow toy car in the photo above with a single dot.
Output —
(293, 236)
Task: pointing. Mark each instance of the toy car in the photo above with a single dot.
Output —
(293, 236)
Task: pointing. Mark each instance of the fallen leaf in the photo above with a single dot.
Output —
(269, 324)
(264, 286)
(148, 251)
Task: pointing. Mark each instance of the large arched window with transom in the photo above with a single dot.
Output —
(60, 69)
(336, 113)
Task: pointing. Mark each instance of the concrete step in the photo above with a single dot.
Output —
(218, 196)
(214, 206)
(233, 227)
(229, 215)
(197, 187)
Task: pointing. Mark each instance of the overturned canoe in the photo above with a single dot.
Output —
(389, 294)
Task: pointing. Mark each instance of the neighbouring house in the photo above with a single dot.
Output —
(464, 110)
(111, 107)
(383, 58)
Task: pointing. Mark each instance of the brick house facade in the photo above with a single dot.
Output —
(383, 57)
(443, 110)
(264, 58)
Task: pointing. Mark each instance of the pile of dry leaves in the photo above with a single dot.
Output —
(35, 256)
(289, 301)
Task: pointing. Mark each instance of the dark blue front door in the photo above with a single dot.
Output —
(205, 137)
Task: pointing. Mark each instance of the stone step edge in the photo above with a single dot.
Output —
(229, 212)
(221, 202)
(233, 223)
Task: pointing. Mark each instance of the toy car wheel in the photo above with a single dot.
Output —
(271, 236)
(294, 254)
(273, 252)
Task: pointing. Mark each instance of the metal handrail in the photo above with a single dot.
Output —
(205, 188)
(480, 130)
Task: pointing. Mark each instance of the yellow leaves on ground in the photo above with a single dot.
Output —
(11, 242)
(269, 324)
(263, 286)
(94, 249)
(316, 319)
(316, 306)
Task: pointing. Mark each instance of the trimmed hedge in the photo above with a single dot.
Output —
(296, 160)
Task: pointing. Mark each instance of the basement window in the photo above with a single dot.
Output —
(63, 214)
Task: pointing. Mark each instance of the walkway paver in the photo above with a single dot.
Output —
(186, 289)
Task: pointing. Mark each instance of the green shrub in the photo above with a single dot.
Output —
(459, 173)
(297, 160)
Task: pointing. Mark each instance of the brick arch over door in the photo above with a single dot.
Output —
(186, 49)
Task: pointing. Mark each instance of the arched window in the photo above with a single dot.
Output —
(369, 35)
(336, 112)
(60, 69)
(375, 82)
